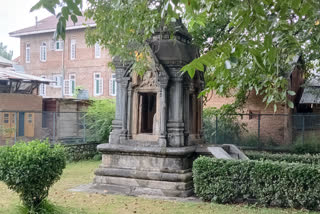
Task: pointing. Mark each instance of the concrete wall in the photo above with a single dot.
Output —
(83, 66)
(20, 102)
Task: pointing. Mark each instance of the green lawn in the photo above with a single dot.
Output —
(82, 173)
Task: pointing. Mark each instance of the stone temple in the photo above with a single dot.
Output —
(157, 125)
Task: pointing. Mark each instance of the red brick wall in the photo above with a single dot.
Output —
(84, 66)
(274, 126)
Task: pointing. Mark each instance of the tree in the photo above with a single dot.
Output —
(245, 45)
(4, 53)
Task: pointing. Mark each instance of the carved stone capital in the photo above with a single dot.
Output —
(125, 82)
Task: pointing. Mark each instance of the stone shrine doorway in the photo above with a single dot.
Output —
(147, 111)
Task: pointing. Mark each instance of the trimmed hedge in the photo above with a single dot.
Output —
(77, 152)
(267, 183)
(291, 158)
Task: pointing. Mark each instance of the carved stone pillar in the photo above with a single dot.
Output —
(129, 136)
(186, 111)
(175, 122)
(124, 107)
(118, 95)
(163, 111)
(194, 119)
(114, 137)
(201, 111)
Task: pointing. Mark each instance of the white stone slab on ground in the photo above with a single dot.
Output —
(219, 152)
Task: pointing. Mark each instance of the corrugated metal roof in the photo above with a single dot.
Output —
(4, 61)
(314, 78)
(311, 95)
(10, 74)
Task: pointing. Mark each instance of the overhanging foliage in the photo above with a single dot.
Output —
(245, 45)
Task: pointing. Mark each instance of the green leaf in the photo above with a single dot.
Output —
(290, 104)
(292, 93)
(65, 12)
(37, 6)
(74, 19)
(268, 41)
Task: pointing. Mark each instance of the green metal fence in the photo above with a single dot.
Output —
(262, 131)
(66, 127)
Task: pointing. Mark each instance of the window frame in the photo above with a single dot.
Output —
(72, 78)
(61, 45)
(100, 81)
(43, 58)
(56, 77)
(28, 53)
(97, 49)
(44, 94)
(73, 47)
(114, 83)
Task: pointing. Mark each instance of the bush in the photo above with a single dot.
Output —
(228, 129)
(30, 169)
(99, 120)
(79, 152)
(266, 182)
(310, 145)
(290, 158)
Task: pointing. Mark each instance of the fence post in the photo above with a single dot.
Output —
(303, 129)
(84, 128)
(54, 126)
(216, 137)
(15, 127)
(259, 120)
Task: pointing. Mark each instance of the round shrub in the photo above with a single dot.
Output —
(30, 169)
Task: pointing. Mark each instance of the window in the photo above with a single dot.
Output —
(59, 45)
(42, 88)
(66, 87)
(72, 80)
(58, 81)
(98, 84)
(73, 49)
(30, 118)
(27, 53)
(113, 85)
(70, 85)
(6, 118)
(43, 52)
(97, 50)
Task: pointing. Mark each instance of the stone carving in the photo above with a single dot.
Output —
(152, 154)
(149, 80)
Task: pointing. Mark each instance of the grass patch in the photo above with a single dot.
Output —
(83, 203)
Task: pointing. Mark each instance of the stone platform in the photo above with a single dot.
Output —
(137, 170)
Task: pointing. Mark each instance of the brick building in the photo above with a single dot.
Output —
(71, 63)
(18, 103)
(272, 126)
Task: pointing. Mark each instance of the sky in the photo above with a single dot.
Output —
(15, 15)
